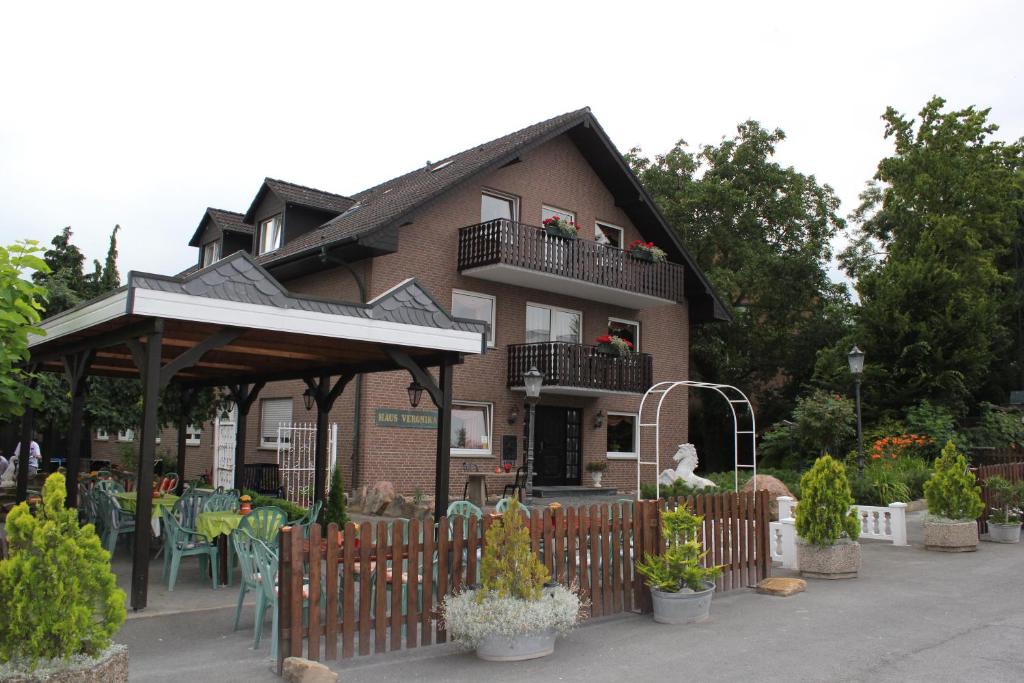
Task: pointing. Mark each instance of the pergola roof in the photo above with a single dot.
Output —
(265, 332)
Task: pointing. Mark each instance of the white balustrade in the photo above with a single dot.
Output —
(882, 523)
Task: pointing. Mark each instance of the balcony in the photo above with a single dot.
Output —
(524, 255)
(579, 370)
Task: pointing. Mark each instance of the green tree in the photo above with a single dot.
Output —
(20, 312)
(824, 514)
(952, 491)
(334, 511)
(762, 234)
(509, 568)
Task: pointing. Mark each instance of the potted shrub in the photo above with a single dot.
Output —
(613, 345)
(556, 226)
(514, 615)
(646, 251)
(827, 529)
(57, 580)
(954, 504)
(681, 588)
(596, 469)
(1004, 517)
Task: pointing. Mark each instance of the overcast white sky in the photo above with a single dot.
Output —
(144, 114)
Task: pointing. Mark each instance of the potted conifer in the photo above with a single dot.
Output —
(954, 504)
(1005, 514)
(681, 588)
(827, 529)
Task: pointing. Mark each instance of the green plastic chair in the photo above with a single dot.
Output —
(221, 502)
(466, 510)
(267, 566)
(110, 486)
(264, 524)
(188, 507)
(116, 521)
(312, 514)
(243, 544)
(503, 504)
(181, 542)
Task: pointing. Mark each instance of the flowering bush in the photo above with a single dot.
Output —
(647, 248)
(473, 616)
(900, 445)
(561, 226)
(621, 345)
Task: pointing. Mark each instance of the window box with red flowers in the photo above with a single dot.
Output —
(646, 251)
(613, 345)
(556, 226)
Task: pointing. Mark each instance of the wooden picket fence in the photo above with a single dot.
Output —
(355, 610)
(1012, 472)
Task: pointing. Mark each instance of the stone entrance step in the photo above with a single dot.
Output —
(557, 491)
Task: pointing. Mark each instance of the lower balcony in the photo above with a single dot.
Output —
(580, 370)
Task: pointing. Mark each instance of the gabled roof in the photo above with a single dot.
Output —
(227, 221)
(395, 202)
(299, 195)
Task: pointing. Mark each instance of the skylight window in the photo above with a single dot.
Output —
(441, 165)
(352, 209)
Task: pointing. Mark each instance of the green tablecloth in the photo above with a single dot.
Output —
(213, 524)
(128, 502)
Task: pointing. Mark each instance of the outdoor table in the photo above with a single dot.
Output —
(217, 526)
(128, 503)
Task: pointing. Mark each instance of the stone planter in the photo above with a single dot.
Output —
(498, 648)
(1004, 533)
(556, 232)
(682, 608)
(596, 478)
(110, 667)
(841, 560)
(951, 536)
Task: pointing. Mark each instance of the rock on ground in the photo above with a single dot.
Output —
(781, 586)
(300, 670)
(379, 497)
(773, 486)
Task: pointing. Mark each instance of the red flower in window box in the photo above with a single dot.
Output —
(561, 227)
(610, 343)
(646, 251)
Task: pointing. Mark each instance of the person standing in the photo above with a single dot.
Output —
(34, 454)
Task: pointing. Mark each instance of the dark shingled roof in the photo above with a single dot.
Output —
(227, 221)
(300, 195)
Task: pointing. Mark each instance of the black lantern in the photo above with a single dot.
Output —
(533, 379)
(415, 390)
(856, 360)
(307, 398)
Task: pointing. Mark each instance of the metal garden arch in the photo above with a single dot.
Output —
(734, 396)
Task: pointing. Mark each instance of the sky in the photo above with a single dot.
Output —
(143, 114)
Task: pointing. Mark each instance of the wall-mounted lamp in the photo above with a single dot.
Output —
(307, 398)
(415, 390)
(513, 416)
(599, 419)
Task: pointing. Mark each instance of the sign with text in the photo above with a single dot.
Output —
(409, 419)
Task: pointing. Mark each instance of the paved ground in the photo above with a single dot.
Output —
(912, 615)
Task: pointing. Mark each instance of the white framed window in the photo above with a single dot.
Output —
(270, 234)
(547, 212)
(193, 435)
(627, 329)
(211, 253)
(495, 205)
(274, 412)
(475, 306)
(609, 235)
(102, 435)
(126, 435)
(471, 428)
(621, 435)
(550, 323)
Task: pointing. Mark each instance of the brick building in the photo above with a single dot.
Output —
(468, 228)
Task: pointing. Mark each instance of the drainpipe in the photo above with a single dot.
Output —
(358, 390)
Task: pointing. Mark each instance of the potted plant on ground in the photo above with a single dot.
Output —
(954, 504)
(613, 345)
(513, 616)
(596, 469)
(681, 588)
(556, 226)
(646, 251)
(61, 603)
(827, 529)
(1004, 517)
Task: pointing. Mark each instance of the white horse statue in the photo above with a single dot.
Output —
(686, 456)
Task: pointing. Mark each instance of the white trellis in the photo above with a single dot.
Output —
(296, 457)
(734, 396)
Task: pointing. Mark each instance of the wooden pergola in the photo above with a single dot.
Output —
(233, 325)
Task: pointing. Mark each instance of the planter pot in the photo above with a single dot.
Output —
(837, 561)
(642, 256)
(555, 232)
(110, 667)
(498, 648)
(682, 608)
(596, 478)
(607, 349)
(1004, 533)
(951, 536)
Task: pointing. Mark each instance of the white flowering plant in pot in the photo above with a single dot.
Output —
(516, 613)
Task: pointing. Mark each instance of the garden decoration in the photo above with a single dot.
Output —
(1004, 517)
(596, 469)
(246, 505)
(556, 226)
(827, 529)
(954, 503)
(646, 251)
(613, 345)
(515, 614)
(686, 456)
(58, 582)
(681, 588)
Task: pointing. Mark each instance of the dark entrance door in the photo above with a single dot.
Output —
(557, 446)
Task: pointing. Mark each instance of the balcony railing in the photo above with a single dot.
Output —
(503, 242)
(579, 367)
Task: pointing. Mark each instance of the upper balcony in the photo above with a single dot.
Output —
(580, 370)
(525, 255)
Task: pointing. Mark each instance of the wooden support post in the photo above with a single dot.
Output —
(324, 395)
(23, 453)
(75, 369)
(244, 395)
(443, 401)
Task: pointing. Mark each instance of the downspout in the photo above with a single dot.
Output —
(358, 390)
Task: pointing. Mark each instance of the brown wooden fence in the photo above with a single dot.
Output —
(1013, 472)
(354, 609)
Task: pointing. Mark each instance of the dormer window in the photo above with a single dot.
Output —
(211, 253)
(270, 234)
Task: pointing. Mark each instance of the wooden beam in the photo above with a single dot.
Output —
(113, 355)
(150, 370)
(99, 341)
(402, 359)
(252, 350)
(194, 354)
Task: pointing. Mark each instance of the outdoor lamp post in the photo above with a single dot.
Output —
(856, 359)
(415, 390)
(307, 399)
(532, 380)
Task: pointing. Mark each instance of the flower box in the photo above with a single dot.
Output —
(646, 251)
(613, 345)
(561, 227)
